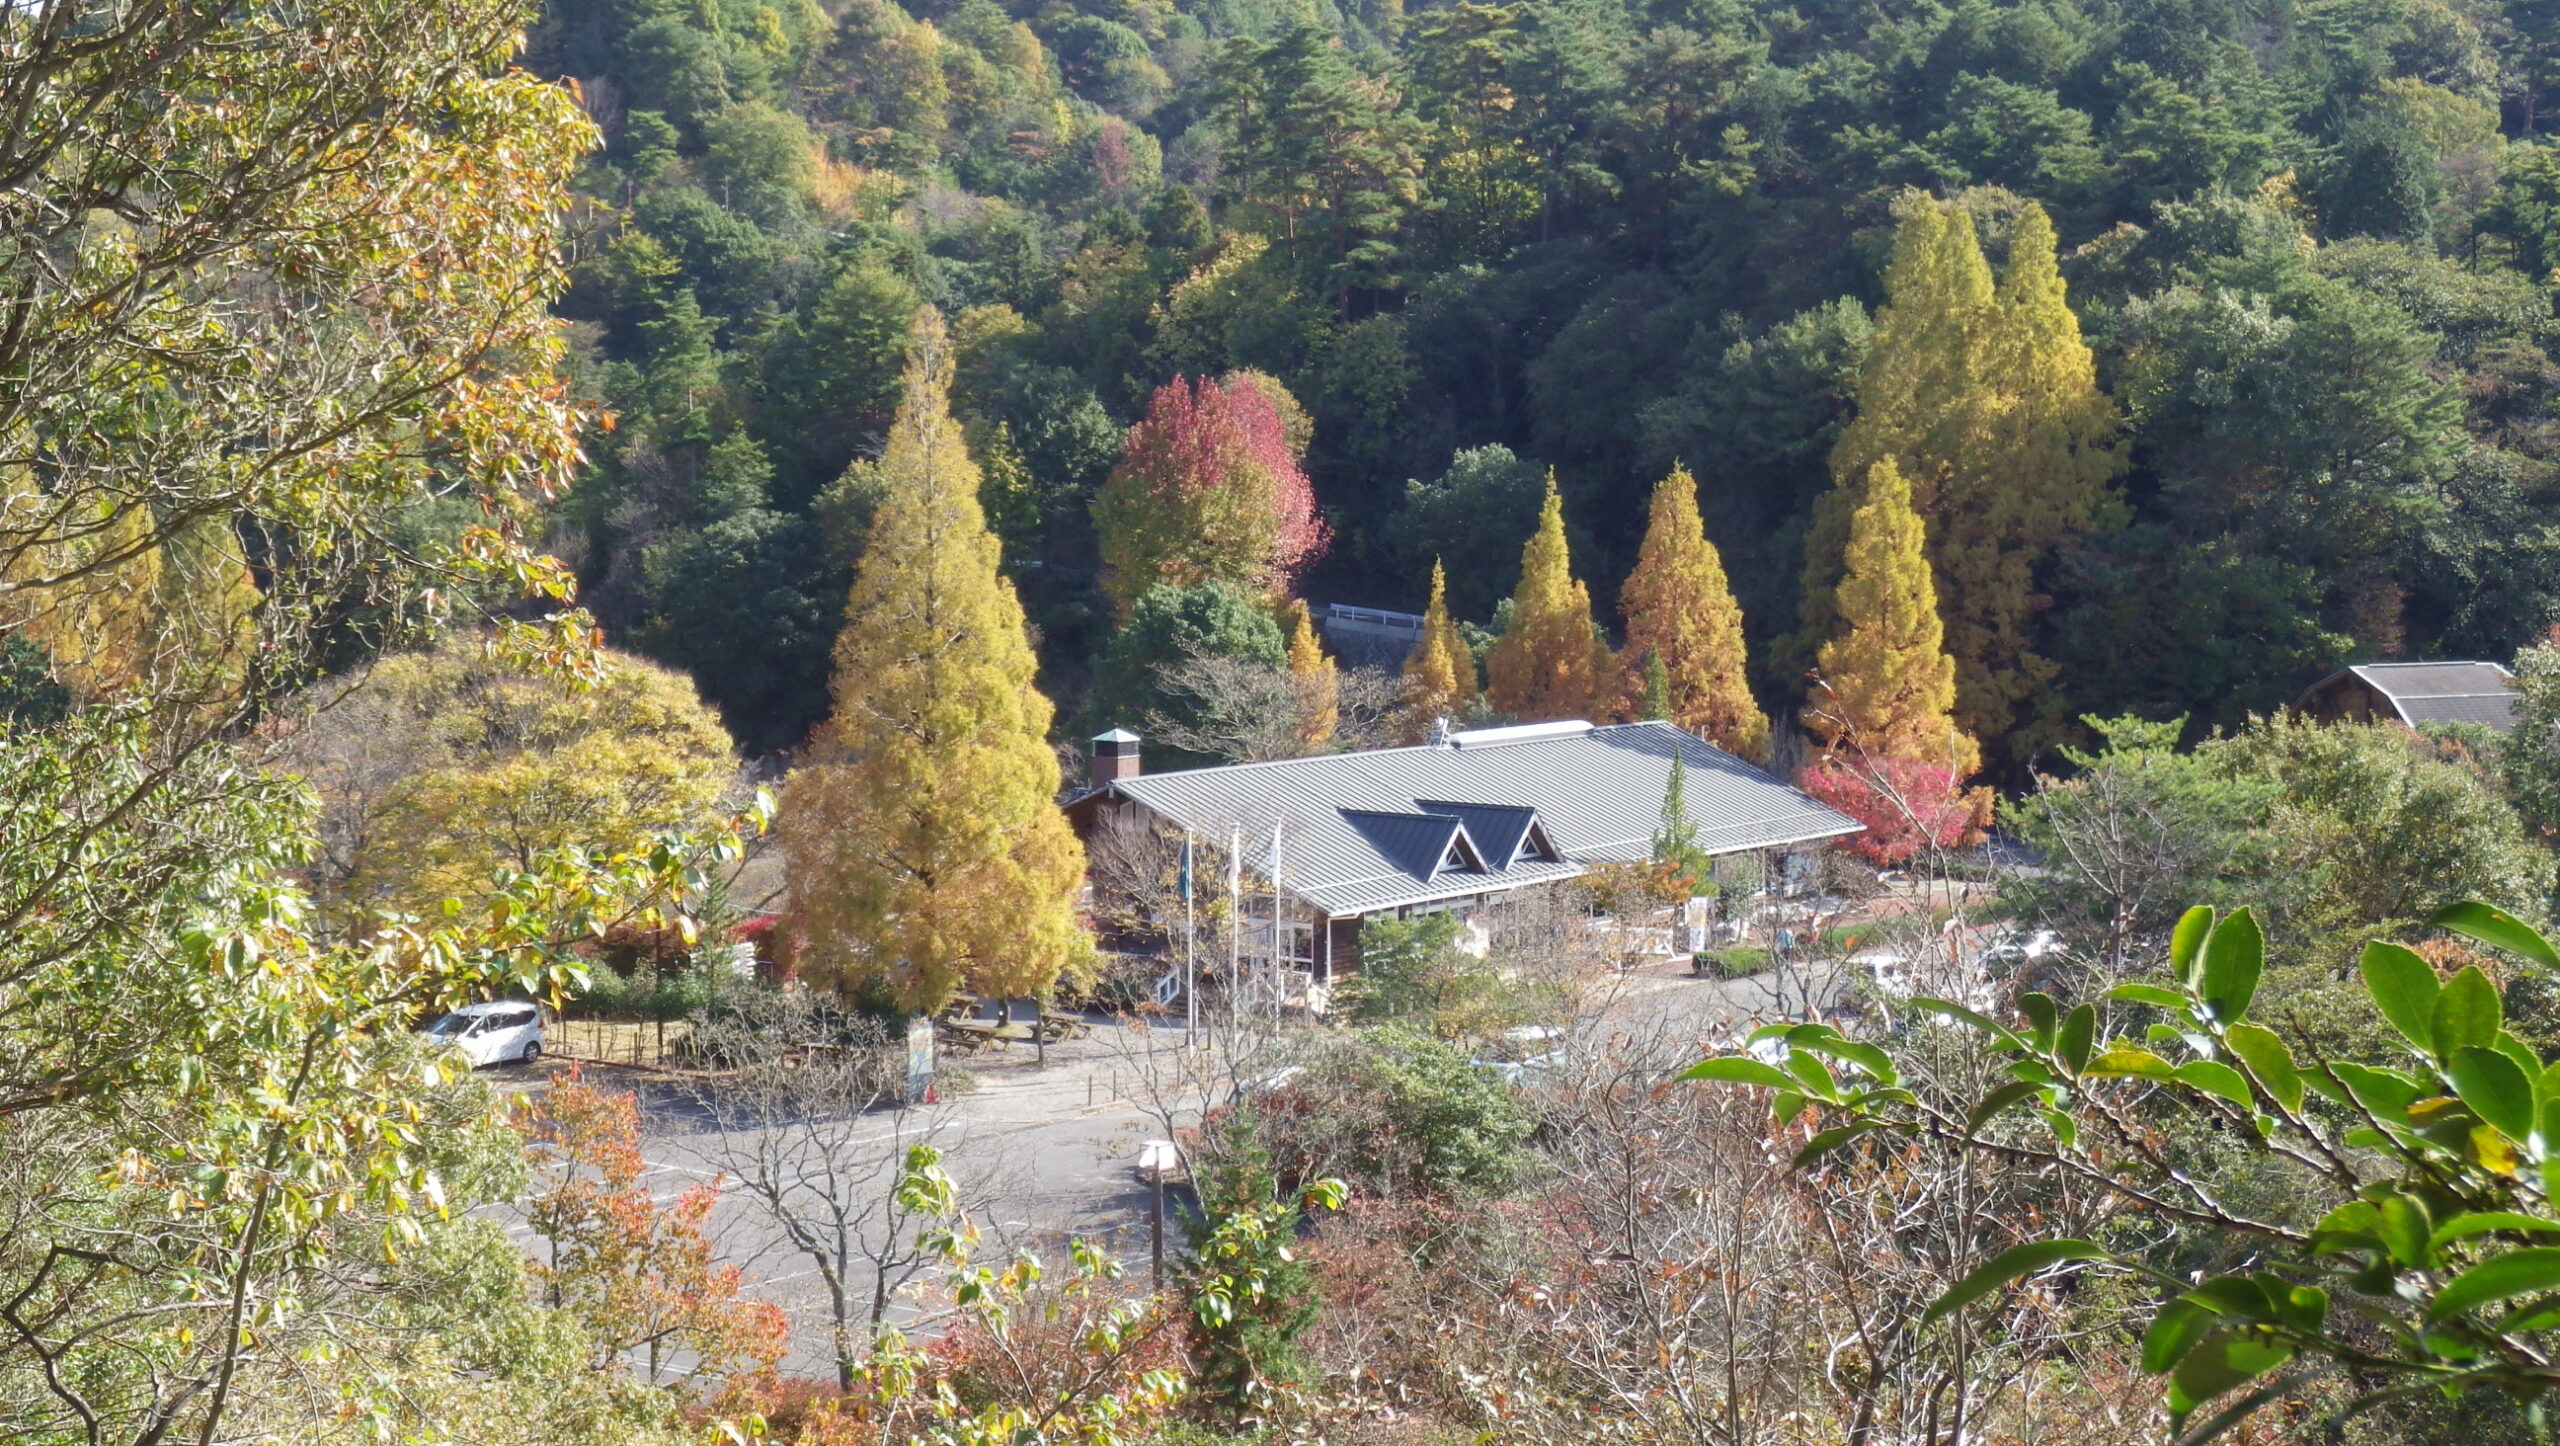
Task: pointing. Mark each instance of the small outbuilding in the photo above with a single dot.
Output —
(2414, 694)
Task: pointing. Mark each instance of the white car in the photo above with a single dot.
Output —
(2005, 954)
(1890, 971)
(1522, 1055)
(507, 1032)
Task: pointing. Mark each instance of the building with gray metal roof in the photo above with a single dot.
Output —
(2414, 694)
(1459, 821)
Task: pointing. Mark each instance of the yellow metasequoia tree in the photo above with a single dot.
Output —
(1550, 661)
(1319, 681)
(1440, 672)
(1920, 394)
(1986, 399)
(1887, 687)
(1680, 609)
(924, 841)
(2049, 457)
(112, 609)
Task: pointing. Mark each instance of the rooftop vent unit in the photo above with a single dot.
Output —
(1518, 733)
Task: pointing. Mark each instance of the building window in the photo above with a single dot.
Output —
(1297, 942)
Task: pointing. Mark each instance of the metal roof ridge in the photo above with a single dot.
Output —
(1313, 758)
(1556, 871)
(1288, 762)
(1854, 827)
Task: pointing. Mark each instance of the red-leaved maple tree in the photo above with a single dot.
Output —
(1208, 489)
(1907, 806)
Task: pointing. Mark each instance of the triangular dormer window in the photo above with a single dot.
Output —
(1535, 844)
(1461, 854)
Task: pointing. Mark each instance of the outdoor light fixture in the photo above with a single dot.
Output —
(1157, 1159)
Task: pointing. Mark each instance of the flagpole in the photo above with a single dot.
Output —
(1277, 964)
(1235, 922)
(1190, 954)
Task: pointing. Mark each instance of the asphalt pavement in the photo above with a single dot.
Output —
(1049, 1151)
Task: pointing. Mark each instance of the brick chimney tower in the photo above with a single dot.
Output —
(1115, 757)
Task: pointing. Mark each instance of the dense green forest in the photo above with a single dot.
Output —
(1977, 415)
(2308, 244)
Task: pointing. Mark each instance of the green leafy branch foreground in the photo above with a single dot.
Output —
(2435, 1269)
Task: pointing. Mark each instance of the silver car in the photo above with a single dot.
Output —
(507, 1032)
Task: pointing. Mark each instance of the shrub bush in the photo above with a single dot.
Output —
(1736, 962)
(1398, 1114)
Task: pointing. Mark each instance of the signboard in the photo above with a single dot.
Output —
(919, 1061)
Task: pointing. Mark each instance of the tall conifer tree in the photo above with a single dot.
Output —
(2048, 455)
(1681, 617)
(1440, 672)
(924, 839)
(1888, 686)
(1319, 681)
(1986, 398)
(1919, 393)
(1550, 662)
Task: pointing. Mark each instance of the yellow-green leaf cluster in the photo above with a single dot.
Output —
(440, 768)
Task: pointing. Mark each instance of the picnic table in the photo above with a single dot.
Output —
(1058, 1024)
(968, 1035)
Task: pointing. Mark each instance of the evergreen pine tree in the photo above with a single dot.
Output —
(1440, 672)
(925, 844)
(1241, 1233)
(1657, 688)
(1675, 844)
(1319, 681)
(1888, 688)
(1550, 662)
(1681, 618)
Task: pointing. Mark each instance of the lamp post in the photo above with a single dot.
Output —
(1156, 1159)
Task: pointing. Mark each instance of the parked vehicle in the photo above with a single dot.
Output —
(2023, 955)
(507, 1032)
(1890, 970)
(1522, 1055)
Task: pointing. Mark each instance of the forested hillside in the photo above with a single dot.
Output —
(2308, 246)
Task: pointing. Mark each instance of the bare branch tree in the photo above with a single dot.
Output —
(1674, 1279)
(807, 1119)
(1248, 712)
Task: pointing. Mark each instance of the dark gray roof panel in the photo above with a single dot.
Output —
(1597, 794)
(2498, 710)
(1496, 828)
(1414, 842)
(2429, 680)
